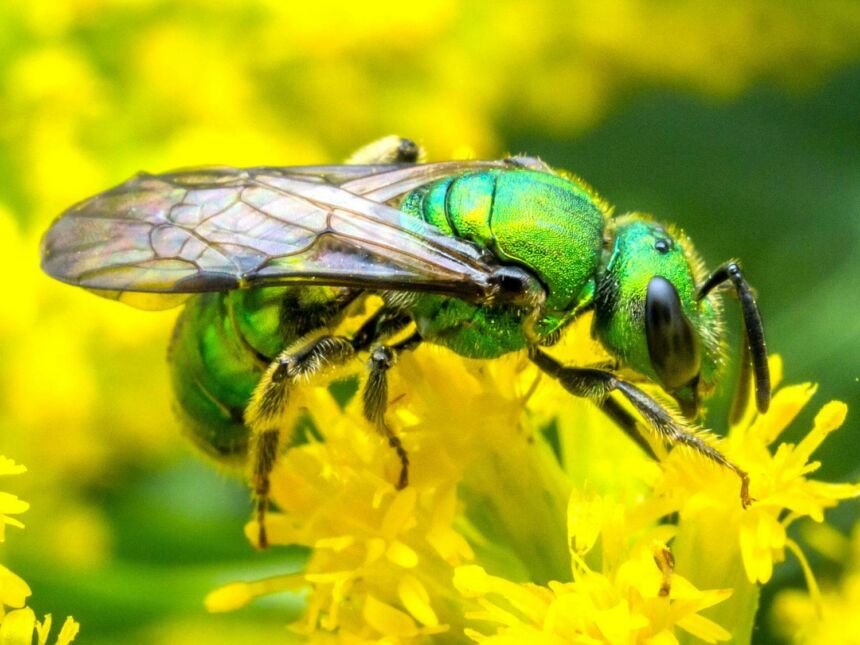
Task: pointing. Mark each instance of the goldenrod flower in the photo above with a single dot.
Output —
(13, 590)
(528, 515)
(636, 597)
(95, 90)
(10, 504)
(18, 626)
(831, 616)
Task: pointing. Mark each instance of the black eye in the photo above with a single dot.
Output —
(672, 343)
(662, 246)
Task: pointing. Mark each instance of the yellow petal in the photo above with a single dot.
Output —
(664, 637)
(43, 629)
(774, 363)
(375, 548)
(618, 623)
(703, 628)
(532, 601)
(238, 594)
(229, 597)
(13, 590)
(471, 580)
(338, 543)
(400, 513)
(416, 600)
(69, 631)
(11, 504)
(759, 530)
(585, 514)
(402, 555)
(388, 620)
(17, 627)
(9, 467)
(784, 407)
(475, 635)
(828, 419)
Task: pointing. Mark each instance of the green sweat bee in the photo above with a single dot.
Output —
(481, 257)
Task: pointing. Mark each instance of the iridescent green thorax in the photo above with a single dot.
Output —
(641, 250)
(548, 224)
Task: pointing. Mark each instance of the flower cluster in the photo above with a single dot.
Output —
(516, 524)
(92, 91)
(828, 615)
(19, 625)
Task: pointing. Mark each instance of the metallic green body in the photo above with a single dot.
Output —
(549, 225)
(545, 223)
(482, 257)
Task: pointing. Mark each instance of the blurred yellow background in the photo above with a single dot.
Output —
(736, 120)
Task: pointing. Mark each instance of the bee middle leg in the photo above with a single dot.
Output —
(597, 385)
(375, 397)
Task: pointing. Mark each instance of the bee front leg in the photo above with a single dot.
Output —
(267, 414)
(597, 385)
(627, 422)
(375, 398)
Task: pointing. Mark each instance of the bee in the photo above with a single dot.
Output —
(484, 258)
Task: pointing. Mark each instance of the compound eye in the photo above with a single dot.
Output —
(672, 344)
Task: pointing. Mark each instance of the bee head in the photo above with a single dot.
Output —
(647, 315)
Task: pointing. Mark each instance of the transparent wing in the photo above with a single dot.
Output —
(224, 228)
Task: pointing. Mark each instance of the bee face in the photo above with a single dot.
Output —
(646, 311)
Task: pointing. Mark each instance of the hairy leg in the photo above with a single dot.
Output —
(375, 397)
(597, 385)
(266, 415)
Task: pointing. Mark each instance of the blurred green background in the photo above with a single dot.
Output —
(737, 121)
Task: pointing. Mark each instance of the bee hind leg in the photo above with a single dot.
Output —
(266, 414)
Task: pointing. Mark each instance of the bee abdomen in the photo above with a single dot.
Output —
(214, 374)
(222, 344)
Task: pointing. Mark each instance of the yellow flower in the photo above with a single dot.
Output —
(17, 627)
(13, 590)
(383, 560)
(516, 525)
(719, 536)
(831, 616)
(10, 504)
(783, 485)
(636, 597)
